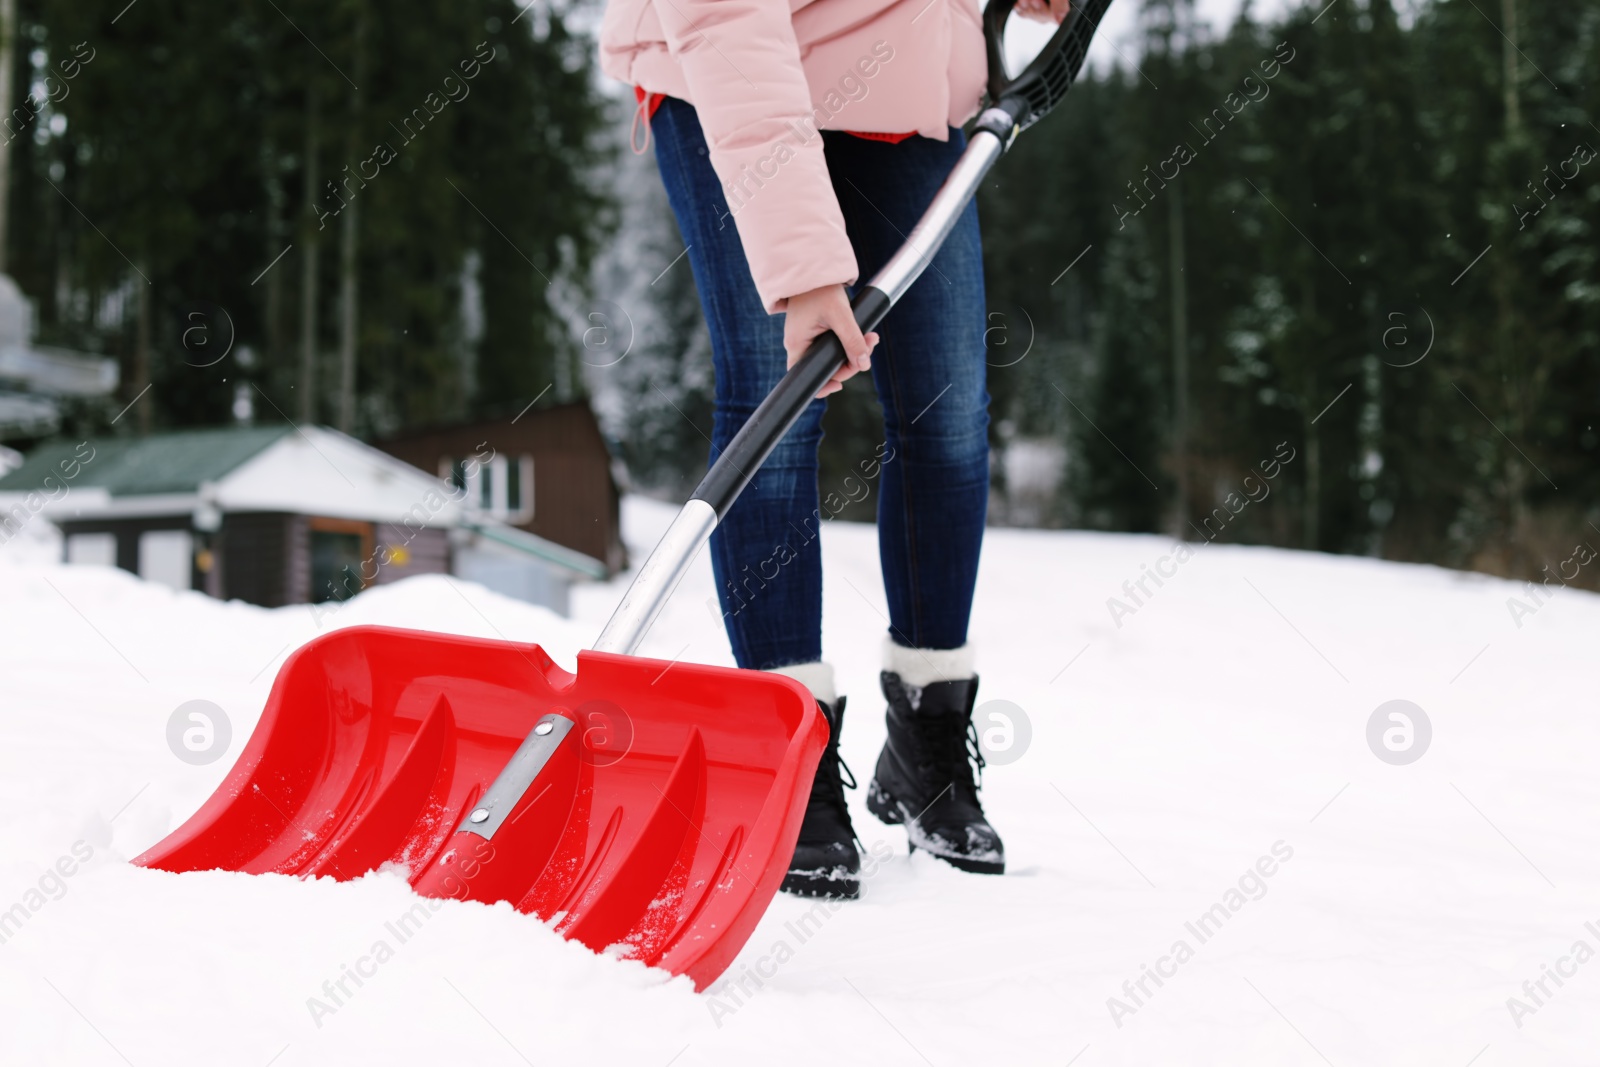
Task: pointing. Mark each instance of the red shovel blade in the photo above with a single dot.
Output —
(659, 827)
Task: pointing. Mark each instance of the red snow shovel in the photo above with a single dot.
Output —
(648, 809)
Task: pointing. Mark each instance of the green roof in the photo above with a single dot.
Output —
(136, 466)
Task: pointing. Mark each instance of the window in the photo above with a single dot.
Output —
(514, 492)
(166, 557)
(92, 549)
(512, 481)
(454, 471)
(503, 487)
(519, 490)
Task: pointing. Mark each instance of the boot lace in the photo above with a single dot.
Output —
(823, 785)
(833, 777)
(951, 755)
(975, 754)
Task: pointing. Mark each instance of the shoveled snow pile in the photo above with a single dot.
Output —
(1208, 863)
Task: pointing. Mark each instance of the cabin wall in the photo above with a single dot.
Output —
(411, 551)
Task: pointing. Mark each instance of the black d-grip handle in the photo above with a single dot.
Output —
(1030, 95)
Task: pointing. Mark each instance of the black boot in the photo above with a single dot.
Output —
(825, 862)
(925, 774)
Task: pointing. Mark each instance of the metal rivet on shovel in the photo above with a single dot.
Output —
(544, 727)
(480, 815)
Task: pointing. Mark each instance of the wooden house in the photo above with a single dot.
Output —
(276, 515)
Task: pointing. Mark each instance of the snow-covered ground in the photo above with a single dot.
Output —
(1218, 734)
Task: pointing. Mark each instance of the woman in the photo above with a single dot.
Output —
(799, 141)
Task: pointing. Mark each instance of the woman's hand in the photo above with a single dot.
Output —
(1043, 10)
(809, 315)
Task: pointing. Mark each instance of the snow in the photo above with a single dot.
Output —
(1218, 734)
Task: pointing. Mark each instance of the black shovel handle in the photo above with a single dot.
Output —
(782, 407)
(1026, 98)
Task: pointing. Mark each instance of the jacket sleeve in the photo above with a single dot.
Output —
(741, 63)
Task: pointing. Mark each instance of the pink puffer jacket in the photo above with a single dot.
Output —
(764, 75)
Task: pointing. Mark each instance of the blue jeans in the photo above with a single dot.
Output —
(930, 471)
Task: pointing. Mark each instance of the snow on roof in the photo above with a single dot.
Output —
(27, 415)
(311, 470)
(58, 371)
(319, 471)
